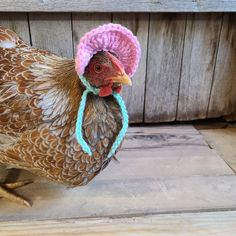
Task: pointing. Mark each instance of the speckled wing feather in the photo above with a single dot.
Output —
(39, 99)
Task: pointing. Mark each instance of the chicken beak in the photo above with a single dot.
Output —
(122, 79)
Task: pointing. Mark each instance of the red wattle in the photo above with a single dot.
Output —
(105, 91)
(118, 89)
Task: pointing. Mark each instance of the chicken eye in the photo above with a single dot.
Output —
(98, 68)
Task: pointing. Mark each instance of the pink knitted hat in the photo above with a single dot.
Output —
(113, 38)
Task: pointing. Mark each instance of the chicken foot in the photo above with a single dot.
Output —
(5, 192)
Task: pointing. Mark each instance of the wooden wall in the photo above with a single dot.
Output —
(188, 65)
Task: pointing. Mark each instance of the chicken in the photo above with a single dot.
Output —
(40, 95)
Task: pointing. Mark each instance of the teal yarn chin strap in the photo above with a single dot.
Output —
(124, 128)
(79, 122)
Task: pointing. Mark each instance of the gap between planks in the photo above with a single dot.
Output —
(185, 224)
(224, 141)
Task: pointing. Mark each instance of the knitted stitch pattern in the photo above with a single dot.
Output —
(113, 38)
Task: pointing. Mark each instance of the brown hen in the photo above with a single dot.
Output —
(39, 98)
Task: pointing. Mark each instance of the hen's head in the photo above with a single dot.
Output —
(107, 73)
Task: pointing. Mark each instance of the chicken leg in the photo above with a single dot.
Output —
(5, 192)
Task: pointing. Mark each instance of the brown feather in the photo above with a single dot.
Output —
(39, 99)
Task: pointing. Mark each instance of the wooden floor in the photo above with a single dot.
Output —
(169, 182)
(224, 142)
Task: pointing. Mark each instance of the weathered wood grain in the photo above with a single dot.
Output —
(166, 38)
(121, 6)
(84, 22)
(124, 197)
(185, 224)
(52, 32)
(149, 179)
(134, 96)
(224, 142)
(223, 99)
(18, 22)
(199, 96)
(199, 56)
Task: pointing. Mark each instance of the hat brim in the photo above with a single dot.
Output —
(113, 38)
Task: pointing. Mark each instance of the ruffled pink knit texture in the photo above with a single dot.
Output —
(113, 38)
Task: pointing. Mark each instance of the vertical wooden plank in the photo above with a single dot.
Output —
(84, 22)
(52, 31)
(18, 22)
(134, 96)
(166, 38)
(223, 95)
(200, 49)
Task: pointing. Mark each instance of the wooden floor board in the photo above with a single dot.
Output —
(224, 141)
(187, 224)
(162, 169)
